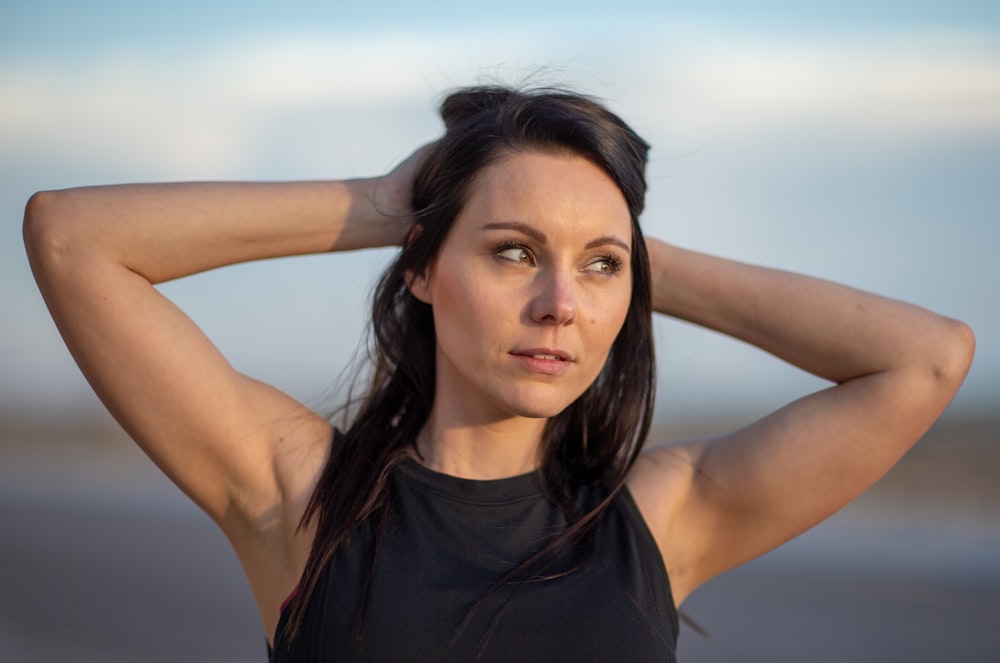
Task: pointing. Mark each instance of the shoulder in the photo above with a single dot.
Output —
(661, 482)
(662, 477)
(265, 532)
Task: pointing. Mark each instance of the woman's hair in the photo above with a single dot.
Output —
(597, 437)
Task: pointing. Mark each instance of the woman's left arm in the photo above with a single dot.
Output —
(716, 503)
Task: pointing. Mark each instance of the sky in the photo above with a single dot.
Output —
(854, 141)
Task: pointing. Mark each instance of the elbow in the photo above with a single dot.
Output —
(38, 219)
(953, 357)
(46, 228)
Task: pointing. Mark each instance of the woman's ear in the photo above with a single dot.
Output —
(419, 285)
(414, 233)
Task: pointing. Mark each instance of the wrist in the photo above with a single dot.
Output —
(377, 215)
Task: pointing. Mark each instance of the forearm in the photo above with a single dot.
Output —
(830, 330)
(896, 366)
(165, 231)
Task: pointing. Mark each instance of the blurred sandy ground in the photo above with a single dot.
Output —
(102, 559)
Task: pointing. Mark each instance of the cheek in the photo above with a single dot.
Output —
(466, 312)
(608, 315)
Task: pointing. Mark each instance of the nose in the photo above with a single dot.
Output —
(554, 302)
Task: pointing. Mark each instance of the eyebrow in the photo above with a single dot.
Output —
(539, 236)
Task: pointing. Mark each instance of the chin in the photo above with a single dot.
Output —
(540, 406)
(537, 413)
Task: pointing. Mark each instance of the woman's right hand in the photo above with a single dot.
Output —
(394, 191)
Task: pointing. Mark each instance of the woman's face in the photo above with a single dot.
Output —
(530, 287)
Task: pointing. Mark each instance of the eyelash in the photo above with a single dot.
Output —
(508, 245)
(614, 262)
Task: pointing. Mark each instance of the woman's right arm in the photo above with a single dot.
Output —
(239, 448)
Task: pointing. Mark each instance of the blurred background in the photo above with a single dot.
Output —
(855, 141)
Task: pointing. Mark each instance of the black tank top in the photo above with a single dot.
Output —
(448, 542)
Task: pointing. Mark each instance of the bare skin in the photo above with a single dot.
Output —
(529, 292)
(249, 455)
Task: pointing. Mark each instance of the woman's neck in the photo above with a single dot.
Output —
(494, 450)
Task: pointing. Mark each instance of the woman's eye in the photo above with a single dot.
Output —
(605, 265)
(516, 254)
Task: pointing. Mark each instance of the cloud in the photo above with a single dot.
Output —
(900, 84)
(199, 111)
(202, 109)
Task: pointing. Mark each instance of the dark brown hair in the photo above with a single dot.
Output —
(597, 437)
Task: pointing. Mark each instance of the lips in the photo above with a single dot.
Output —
(543, 361)
(544, 353)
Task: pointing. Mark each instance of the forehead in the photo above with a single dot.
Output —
(552, 192)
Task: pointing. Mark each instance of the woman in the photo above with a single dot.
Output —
(491, 497)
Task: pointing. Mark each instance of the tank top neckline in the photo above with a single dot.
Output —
(477, 491)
